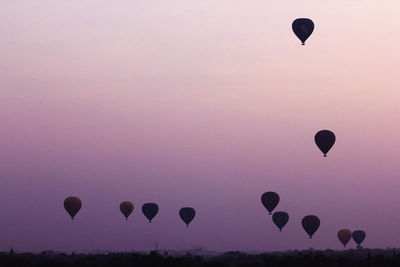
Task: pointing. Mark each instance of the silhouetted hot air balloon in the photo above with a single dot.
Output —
(187, 214)
(358, 237)
(270, 200)
(126, 208)
(280, 219)
(310, 224)
(344, 236)
(72, 205)
(325, 140)
(303, 28)
(150, 210)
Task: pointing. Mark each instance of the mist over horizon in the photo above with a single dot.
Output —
(202, 104)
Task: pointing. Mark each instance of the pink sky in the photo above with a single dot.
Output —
(197, 103)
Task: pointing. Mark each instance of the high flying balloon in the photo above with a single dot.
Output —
(303, 28)
(187, 214)
(344, 236)
(150, 210)
(270, 200)
(325, 140)
(280, 218)
(310, 224)
(72, 205)
(126, 208)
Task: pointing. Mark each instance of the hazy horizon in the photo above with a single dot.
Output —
(205, 104)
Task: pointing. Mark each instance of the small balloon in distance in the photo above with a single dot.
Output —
(150, 210)
(310, 224)
(280, 219)
(358, 236)
(325, 140)
(303, 28)
(270, 200)
(126, 208)
(344, 236)
(72, 205)
(187, 214)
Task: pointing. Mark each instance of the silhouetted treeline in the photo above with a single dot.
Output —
(389, 257)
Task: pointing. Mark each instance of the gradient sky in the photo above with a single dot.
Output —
(197, 103)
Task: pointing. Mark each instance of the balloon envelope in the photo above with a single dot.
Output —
(344, 236)
(270, 200)
(280, 218)
(325, 140)
(150, 210)
(310, 224)
(126, 208)
(303, 28)
(187, 214)
(358, 236)
(72, 205)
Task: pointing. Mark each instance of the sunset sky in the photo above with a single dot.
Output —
(197, 103)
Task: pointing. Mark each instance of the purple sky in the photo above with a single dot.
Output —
(197, 103)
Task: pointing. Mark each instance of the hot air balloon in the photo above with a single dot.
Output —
(280, 219)
(310, 224)
(303, 28)
(150, 210)
(325, 140)
(344, 236)
(358, 237)
(72, 205)
(270, 200)
(187, 214)
(126, 208)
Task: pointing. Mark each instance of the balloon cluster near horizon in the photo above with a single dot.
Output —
(73, 204)
(345, 235)
(271, 199)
